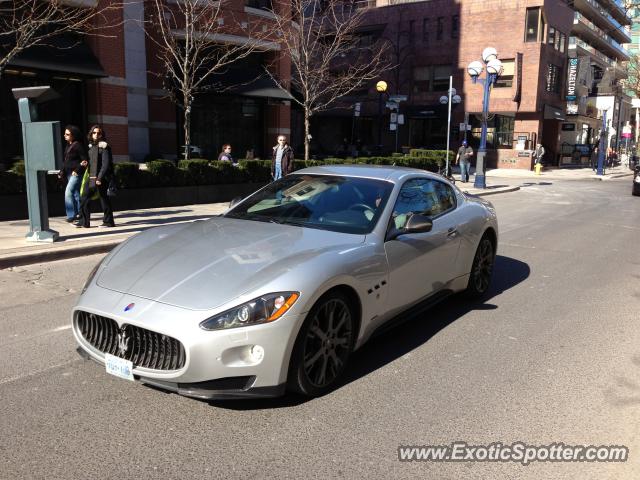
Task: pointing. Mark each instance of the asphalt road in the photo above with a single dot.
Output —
(553, 355)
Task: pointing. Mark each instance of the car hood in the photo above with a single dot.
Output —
(202, 265)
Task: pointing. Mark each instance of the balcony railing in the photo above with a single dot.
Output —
(605, 13)
(580, 18)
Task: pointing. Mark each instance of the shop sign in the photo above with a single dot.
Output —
(572, 75)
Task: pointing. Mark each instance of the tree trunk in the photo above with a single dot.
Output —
(187, 131)
(306, 133)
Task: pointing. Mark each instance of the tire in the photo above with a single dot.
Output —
(323, 347)
(481, 269)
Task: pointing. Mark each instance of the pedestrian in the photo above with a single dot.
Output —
(97, 178)
(282, 159)
(465, 153)
(225, 155)
(72, 171)
(538, 153)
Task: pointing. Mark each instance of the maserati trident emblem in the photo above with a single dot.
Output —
(123, 341)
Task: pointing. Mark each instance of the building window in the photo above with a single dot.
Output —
(412, 30)
(532, 24)
(421, 79)
(563, 41)
(506, 79)
(441, 74)
(439, 28)
(455, 26)
(504, 132)
(551, 36)
(553, 78)
(425, 30)
(432, 78)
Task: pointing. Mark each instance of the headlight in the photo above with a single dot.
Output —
(266, 308)
(91, 275)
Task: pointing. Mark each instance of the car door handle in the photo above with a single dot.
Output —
(452, 232)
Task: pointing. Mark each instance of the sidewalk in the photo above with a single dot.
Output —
(76, 242)
(561, 173)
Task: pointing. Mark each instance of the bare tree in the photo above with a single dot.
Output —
(328, 59)
(195, 40)
(27, 23)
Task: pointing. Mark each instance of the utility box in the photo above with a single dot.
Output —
(42, 152)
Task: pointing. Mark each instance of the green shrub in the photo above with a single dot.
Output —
(163, 172)
(12, 182)
(257, 171)
(18, 168)
(226, 172)
(199, 172)
(126, 174)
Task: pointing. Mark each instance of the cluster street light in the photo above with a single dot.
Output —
(494, 70)
(381, 88)
(452, 98)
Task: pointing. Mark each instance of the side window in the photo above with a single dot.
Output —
(422, 196)
(446, 197)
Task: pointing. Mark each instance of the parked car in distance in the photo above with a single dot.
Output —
(278, 292)
(636, 181)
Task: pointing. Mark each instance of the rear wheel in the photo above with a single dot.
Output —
(323, 346)
(482, 269)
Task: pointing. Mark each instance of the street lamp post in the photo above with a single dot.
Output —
(381, 88)
(494, 69)
(452, 98)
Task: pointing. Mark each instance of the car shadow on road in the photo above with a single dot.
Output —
(410, 331)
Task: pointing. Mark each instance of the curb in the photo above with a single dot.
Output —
(490, 192)
(28, 258)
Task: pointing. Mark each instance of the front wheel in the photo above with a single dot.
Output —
(323, 346)
(482, 269)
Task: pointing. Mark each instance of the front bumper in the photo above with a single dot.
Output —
(232, 388)
(211, 357)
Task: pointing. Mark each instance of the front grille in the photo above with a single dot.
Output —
(144, 348)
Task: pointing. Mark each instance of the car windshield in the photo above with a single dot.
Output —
(327, 202)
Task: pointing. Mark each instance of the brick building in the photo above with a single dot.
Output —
(106, 79)
(434, 39)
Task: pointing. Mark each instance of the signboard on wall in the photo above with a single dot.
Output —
(568, 127)
(572, 108)
(572, 75)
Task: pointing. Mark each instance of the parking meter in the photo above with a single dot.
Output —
(42, 152)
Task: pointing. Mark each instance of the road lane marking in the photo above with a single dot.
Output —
(36, 372)
(17, 339)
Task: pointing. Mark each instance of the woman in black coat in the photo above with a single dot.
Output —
(100, 167)
(75, 157)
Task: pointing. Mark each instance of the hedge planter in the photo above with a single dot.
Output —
(14, 207)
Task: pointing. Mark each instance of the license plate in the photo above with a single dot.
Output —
(118, 366)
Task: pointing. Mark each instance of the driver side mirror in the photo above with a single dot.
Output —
(415, 224)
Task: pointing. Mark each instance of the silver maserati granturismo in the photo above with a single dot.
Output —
(276, 293)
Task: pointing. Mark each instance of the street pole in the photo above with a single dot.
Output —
(603, 142)
(480, 180)
(446, 172)
(380, 123)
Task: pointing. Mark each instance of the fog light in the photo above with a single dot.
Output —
(257, 353)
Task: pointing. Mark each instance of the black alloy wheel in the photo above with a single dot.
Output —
(323, 346)
(482, 269)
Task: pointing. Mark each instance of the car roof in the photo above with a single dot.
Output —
(381, 172)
